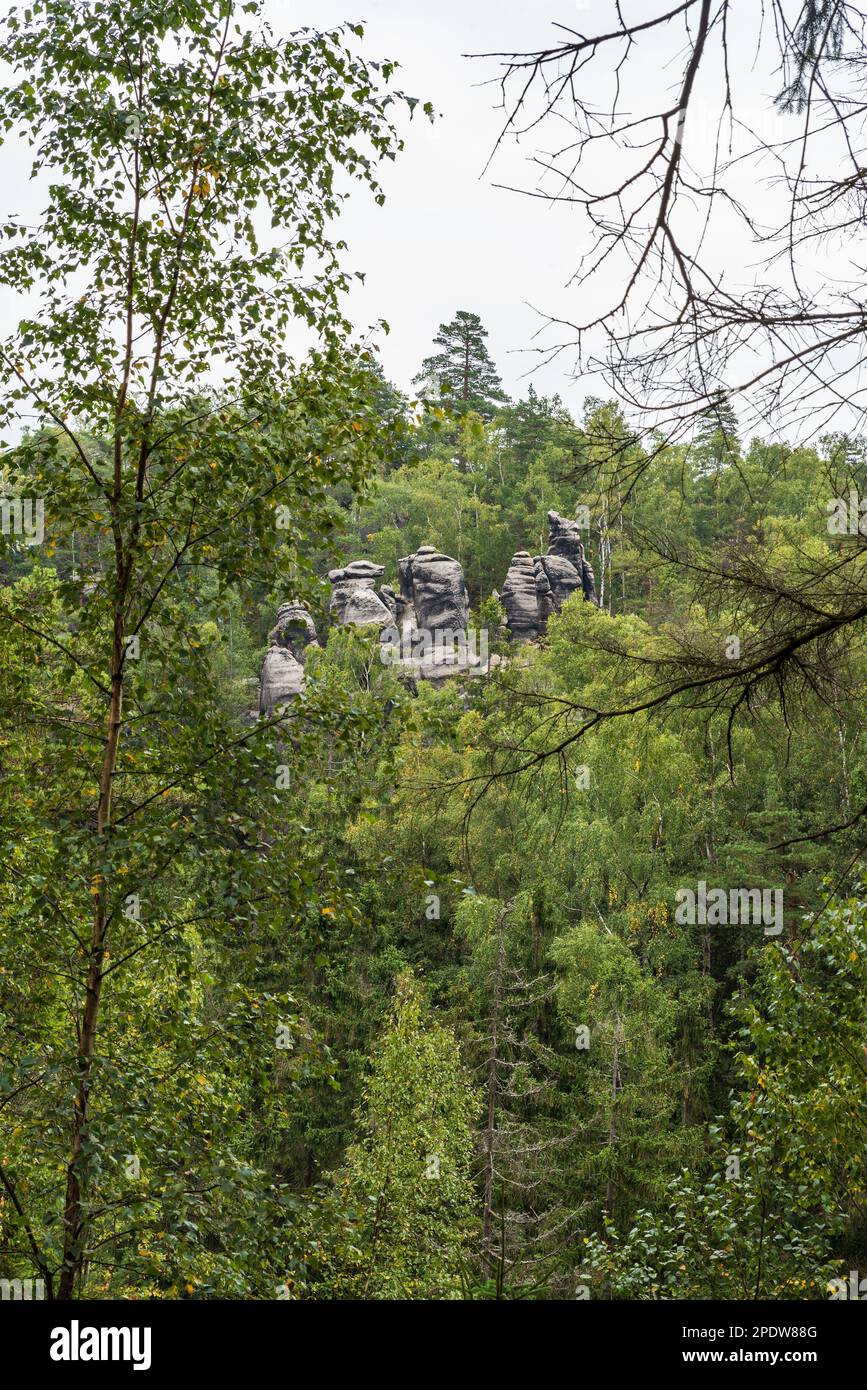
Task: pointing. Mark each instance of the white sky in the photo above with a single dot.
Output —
(446, 238)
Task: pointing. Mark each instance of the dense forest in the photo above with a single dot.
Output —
(399, 990)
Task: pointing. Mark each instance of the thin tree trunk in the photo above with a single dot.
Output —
(74, 1218)
(86, 1026)
(493, 1070)
(612, 1119)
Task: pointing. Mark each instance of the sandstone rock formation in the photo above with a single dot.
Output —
(520, 599)
(430, 640)
(354, 598)
(556, 580)
(434, 591)
(423, 629)
(537, 587)
(564, 539)
(293, 629)
(282, 679)
(283, 668)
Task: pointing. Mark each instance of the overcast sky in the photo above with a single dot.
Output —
(447, 238)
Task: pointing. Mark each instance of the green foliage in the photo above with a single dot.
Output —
(407, 1179)
(141, 876)
(463, 371)
(384, 996)
(789, 1185)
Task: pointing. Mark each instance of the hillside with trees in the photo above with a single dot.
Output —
(400, 990)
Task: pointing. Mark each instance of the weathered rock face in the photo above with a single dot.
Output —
(433, 586)
(390, 599)
(536, 588)
(520, 599)
(365, 607)
(433, 611)
(293, 629)
(564, 540)
(283, 668)
(561, 576)
(282, 679)
(423, 629)
(354, 598)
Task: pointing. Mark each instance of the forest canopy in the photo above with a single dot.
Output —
(540, 982)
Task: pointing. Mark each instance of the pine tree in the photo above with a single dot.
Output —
(716, 442)
(780, 1214)
(463, 369)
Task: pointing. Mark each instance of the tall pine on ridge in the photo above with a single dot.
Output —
(463, 369)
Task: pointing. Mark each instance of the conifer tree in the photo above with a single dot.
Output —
(463, 368)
